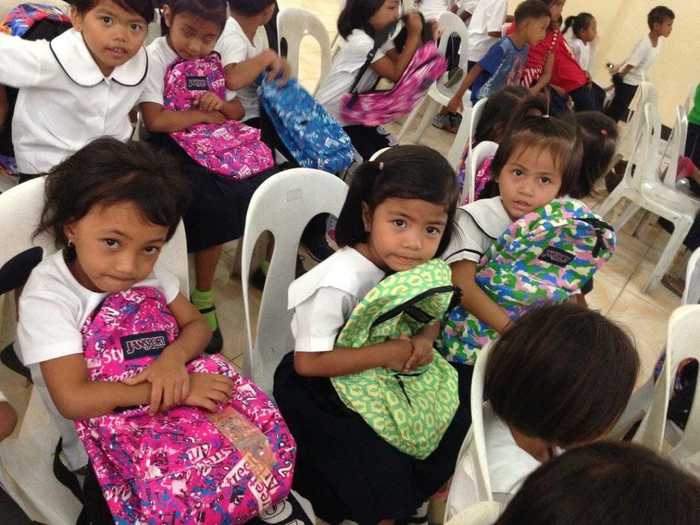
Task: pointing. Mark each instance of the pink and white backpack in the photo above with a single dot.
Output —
(231, 149)
(185, 465)
(379, 107)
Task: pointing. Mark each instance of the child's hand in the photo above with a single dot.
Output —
(423, 347)
(214, 117)
(170, 382)
(399, 353)
(210, 102)
(279, 70)
(455, 105)
(207, 391)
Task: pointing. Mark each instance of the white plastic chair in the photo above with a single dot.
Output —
(646, 94)
(645, 190)
(464, 139)
(691, 293)
(438, 95)
(293, 24)
(471, 482)
(26, 457)
(379, 152)
(681, 345)
(675, 147)
(283, 205)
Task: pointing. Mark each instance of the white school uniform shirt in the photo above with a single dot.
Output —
(234, 46)
(64, 100)
(476, 226)
(160, 56)
(488, 17)
(581, 51)
(324, 298)
(642, 58)
(348, 60)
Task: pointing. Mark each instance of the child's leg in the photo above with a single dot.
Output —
(269, 135)
(624, 93)
(367, 140)
(205, 262)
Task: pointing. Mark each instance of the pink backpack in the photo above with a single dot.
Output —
(375, 108)
(186, 465)
(231, 149)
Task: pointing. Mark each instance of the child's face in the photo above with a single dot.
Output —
(536, 30)
(112, 34)
(115, 246)
(386, 15)
(664, 28)
(404, 233)
(529, 180)
(591, 32)
(190, 36)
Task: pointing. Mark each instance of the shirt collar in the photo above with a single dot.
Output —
(75, 59)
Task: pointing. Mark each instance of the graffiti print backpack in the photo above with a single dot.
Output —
(231, 149)
(311, 134)
(545, 256)
(411, 411)
(184, 465)
(377, 107)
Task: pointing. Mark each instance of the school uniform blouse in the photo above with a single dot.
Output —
(64, 100)
(324, 298)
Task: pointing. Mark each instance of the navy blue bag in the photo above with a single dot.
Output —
(311, 135)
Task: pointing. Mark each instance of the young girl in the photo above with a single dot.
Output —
(364, 24)
(585, 30)
(561, 377)
(538, 161)
(111, 207)
(219, 204)
(397, 215)
(78, 87)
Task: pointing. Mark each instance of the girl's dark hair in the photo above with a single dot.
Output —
(143, 8)
(209, 10)
(249, 7)
(578, 23)
(498, 111)
(599, 137)
(562, 373)
(403, 172)
(108, 171)
(545, 133)
(356, 15)
(606, 484)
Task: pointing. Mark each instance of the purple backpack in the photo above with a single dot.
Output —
(375, 108)
(185, 465)
(231, 149)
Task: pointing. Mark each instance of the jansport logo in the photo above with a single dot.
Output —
(197, 84)
(144, 345)
(556, 256)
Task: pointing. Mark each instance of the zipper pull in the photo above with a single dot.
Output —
(403, 389)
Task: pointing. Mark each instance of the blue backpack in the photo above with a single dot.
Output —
(313, 137)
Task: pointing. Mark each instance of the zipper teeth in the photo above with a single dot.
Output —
(400, 308)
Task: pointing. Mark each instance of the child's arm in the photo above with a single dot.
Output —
(624, 70)
(168, 375)
(456, 101)
(231, 109)
(474, 300)
(546, 75)
(160, 120)
(393, 64)
(244, 73)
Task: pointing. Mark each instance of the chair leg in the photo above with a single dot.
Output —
(626, 215)
(409, 120)
(680, 230)
(611, 200)
(431, 109)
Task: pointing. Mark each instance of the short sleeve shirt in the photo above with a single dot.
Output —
(642, 58)
(488, 17)
(503, 66)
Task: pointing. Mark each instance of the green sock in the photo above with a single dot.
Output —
(265, 266)
(204, 302)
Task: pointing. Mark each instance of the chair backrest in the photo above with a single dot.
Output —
(378, 152)
(675, 147)
(464, 139)
(644, 158)
(646, 93)
(282, 205)
(681, 344)
(448, 25)
(293, 24)
(482, 151)
(691, 293)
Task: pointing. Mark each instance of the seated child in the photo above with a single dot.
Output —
(503, 63)
(559, 378)
(606, 484)
(397, 215)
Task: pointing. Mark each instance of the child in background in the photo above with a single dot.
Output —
(485, 28)
(538, 160)
(599, 138)
(8, 417)
(584, 29)
(363, 24)
(606, 484)
(635, 68)
(559, 378)
(397, 215)
(503, 64)
(78, 87)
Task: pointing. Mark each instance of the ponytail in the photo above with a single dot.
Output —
(568, 22)
(350, 229)
(578, 23)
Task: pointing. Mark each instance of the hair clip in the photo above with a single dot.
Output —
(546, 115)
(381, 166)
(604, 132)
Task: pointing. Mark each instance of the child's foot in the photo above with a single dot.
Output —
(454, 76)
(674, 284)
(448, 121)
(204, 302)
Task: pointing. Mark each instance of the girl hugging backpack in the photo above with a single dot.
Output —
(545, 256)
(185, 465)
(231, 149)
(378, 107)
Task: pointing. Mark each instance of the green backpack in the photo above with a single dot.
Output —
(410, 411)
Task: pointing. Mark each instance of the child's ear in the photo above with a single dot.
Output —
(168, 16)
(69, 230)
(76, 18)
(366, 217)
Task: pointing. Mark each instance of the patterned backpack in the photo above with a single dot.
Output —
(374, 108)
(19, 20)
(311, 135)
(545, 256)
(231, 149)
(411, 411)
(185, 465)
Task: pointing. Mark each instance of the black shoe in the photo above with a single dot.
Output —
(216, 343)
(9, 358)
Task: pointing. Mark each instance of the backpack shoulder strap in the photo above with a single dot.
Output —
(368, 62)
